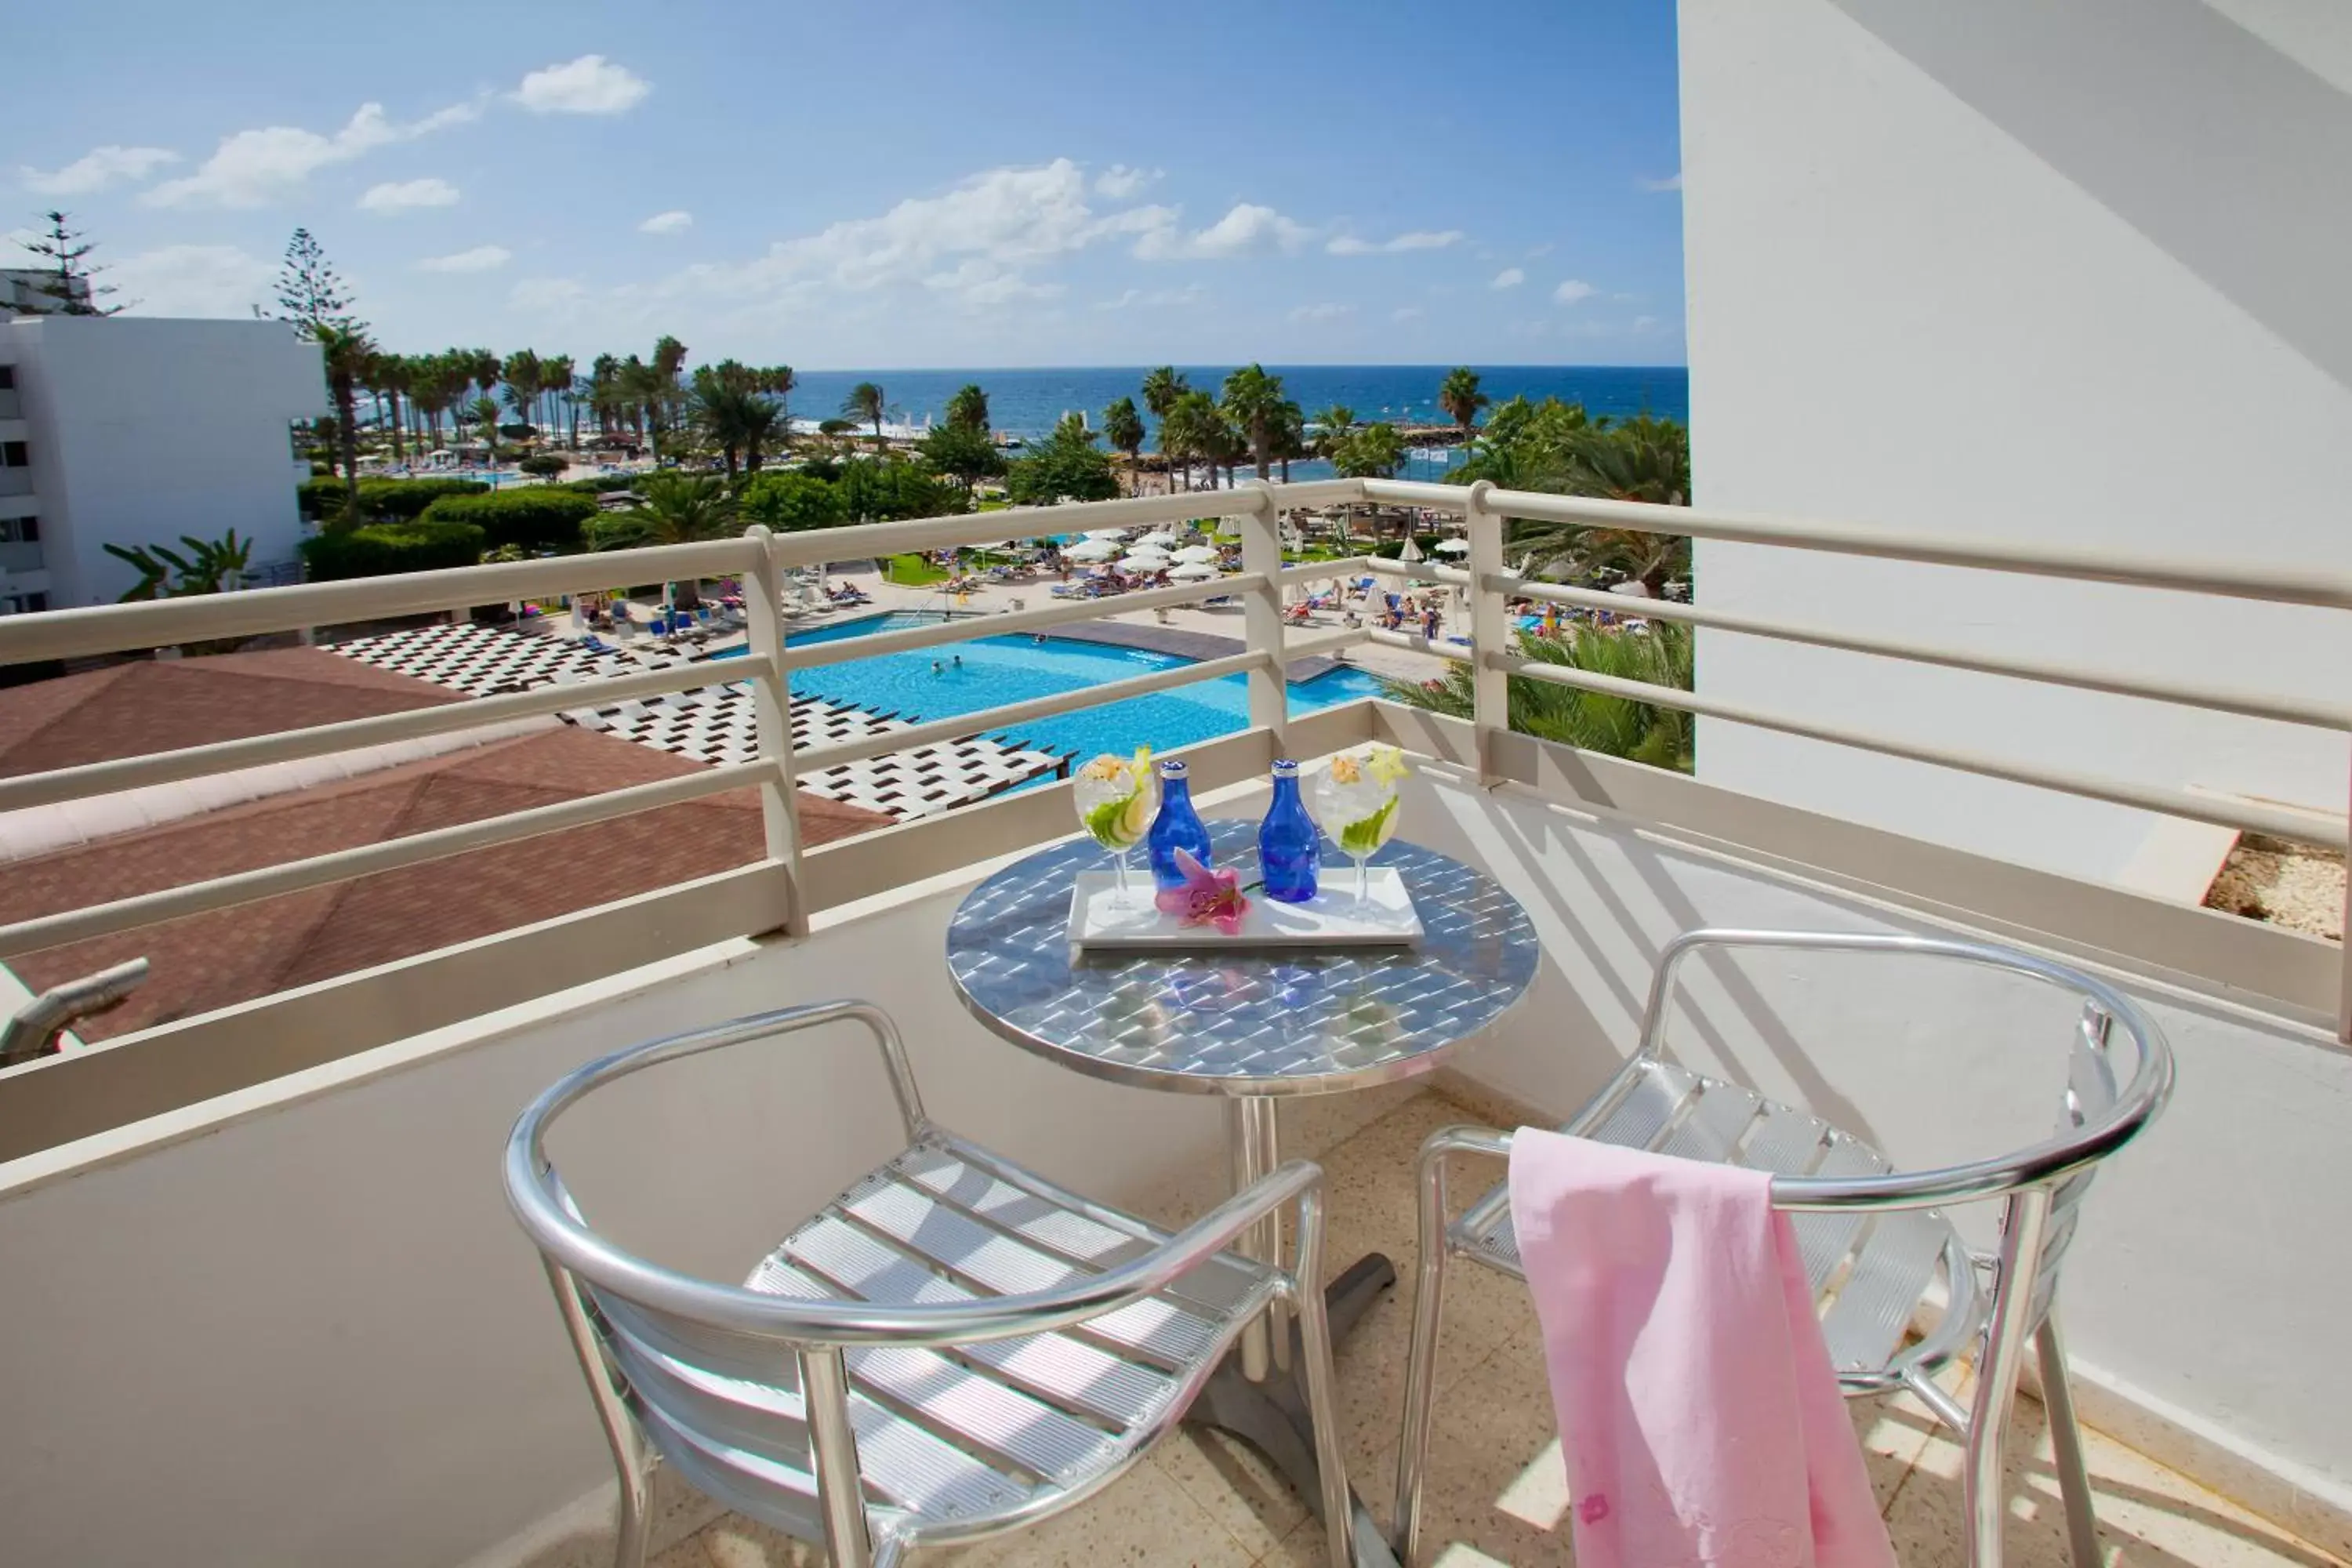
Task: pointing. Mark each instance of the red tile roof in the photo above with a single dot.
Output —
(210, 961)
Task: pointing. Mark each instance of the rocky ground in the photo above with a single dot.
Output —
(2291, 884)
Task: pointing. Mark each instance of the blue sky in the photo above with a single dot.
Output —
(917, 184)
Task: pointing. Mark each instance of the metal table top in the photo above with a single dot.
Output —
(1240, 1022)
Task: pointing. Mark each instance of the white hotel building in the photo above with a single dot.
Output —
(136, 431)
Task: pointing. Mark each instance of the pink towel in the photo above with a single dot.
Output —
(1698, 1414)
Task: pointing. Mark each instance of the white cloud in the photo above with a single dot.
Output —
(973, 242)
(481, 258)
(1326, 312)
(1644, 323)
(1247, 230)
(552, 296)
(192, 280)
(1119, 181)
(253, 168)
(589, 85)
(407, 195)
(1673, 182)
(1540, 251)
(97, 169)
(1413, 240)
(1407, 314)
(1154, 298)
(672, 222)
(1573, 289)
(1509, 278)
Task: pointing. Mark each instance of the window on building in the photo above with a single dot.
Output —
(8, 378)
(14, 455)
(23, 604)
(20, 530)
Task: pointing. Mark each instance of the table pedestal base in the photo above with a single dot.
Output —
(1271, 1417)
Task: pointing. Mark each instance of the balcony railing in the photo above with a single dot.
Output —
(782, 891)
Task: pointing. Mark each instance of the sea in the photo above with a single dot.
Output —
(1029, 403)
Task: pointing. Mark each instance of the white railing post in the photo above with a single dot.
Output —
(1490, 687)
(2343, 987)
(772, 699)
(1269, 694)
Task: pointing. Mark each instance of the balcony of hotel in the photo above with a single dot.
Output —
(266, 1302)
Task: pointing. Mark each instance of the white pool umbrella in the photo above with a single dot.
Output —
(1411, 550)
(1160, 536)
(1454, 547)
(1113, 533)
(1198, 552)
(1149, 561)
(1093, 550)
(1195, 571)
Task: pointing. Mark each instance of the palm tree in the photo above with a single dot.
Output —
(482, 367)
(1123, 428)
(968, 409)
(1289, 437)
(1189, 431)
(602, 372)
(734, 418)
(484, 410)
(521, 373)
(1644, 459)
(677, 509)
(1254, 402)
(1461, 398)
(648, 391)
(1374, 452)
(1589, 720)
(556, 375)
(1161, 388)
(388, 374)
(864, 404)
(345, 349)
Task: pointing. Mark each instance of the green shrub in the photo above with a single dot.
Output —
(545, 518)
(792, 503)
(545, 464)
(381, 501)
(386, 548)
(616, 530)
(602, 484)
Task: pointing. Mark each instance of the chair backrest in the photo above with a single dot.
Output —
(2099, 1111)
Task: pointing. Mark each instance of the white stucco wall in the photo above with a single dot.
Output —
(316, 1335)
(145, 429)
(2020, 272)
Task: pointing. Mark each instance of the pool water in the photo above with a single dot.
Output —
(1000, 669)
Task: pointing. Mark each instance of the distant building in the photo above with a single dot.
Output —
(24, 291)
(135, 431)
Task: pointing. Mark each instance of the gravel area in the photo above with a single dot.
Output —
(2286, 884)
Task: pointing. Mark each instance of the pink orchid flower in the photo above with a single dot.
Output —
(1207, 898)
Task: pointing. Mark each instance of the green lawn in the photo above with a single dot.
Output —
(912, 571)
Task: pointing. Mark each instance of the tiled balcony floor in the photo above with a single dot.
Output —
(1496, 1491)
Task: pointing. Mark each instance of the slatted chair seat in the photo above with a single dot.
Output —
(1877, 1275)
(1876, 1246)
(951, 1348)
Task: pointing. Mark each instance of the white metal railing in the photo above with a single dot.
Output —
(761, 559)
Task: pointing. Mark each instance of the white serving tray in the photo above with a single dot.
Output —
(1335, 917)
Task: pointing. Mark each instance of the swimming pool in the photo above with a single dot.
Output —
(1000, 669)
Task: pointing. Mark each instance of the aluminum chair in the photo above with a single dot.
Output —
(1875, 1243)
(952, 1348)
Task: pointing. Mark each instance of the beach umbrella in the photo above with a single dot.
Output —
(1454, 547)
(1198, 552)
(1153, 562)
(1158, 536)
(1195, 571)
(1093, 550)
(1411, 552)
(1110, 533)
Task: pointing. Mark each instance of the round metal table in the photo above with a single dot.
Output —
(1254, 1027)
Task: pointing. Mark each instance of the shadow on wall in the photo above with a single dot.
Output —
(2143, 104)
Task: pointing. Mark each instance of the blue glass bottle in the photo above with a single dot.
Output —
(1178, 826)
(1287, 850)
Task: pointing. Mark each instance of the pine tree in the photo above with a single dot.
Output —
(308, 290)
(75, 286)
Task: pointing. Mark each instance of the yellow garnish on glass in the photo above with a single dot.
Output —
(1142, 766)
(1387, 764)
(1345, 769)
(1103, 768)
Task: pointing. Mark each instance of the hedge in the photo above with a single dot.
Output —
(541, 518)
(390, 548)
(381, 501)
(602, 485)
